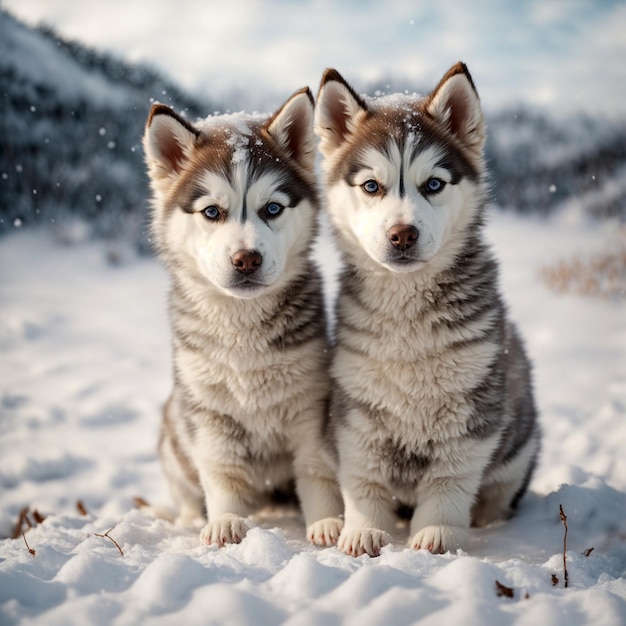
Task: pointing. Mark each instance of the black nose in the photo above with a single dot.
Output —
(403, 236)
(247, 261)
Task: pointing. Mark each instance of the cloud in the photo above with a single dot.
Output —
(561, 54)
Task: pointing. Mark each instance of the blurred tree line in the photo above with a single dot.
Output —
(71, 142)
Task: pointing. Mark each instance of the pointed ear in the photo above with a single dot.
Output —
(455, 105)
(168, 141)
(339, 109)
(291, 127)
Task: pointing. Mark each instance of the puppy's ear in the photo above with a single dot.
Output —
(168, 141)
(339, 110)
(291, 127)
(454, 104)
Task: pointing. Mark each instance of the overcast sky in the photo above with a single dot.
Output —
(563, 54)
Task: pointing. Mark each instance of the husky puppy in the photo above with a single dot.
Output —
(234, 215)
(433, 404)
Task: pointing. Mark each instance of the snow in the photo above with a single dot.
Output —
(84, 371)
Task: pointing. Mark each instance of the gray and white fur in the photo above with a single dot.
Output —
(234, 215)
(433, 404)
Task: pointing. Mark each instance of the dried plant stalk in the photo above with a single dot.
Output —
(21, 520)
(30, 550)
(107, 536)
(602, 275)
(564, 520)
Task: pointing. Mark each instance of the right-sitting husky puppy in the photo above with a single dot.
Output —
(234, 215)
(433, 403)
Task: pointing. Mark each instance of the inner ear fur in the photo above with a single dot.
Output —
(291, 127)
(168, 141)
(455, 105)
(338, 112)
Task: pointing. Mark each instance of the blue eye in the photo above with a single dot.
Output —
(211, 212)
(434, 185)
(273, 209)
(370, 186)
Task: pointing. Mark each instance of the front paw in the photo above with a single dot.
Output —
(226, 529)
(324, 532)
(439, 539)
(360, 541)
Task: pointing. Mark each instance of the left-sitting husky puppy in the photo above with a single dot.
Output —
(234, 216)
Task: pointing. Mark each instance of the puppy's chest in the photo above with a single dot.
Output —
(416, 372)
(409, 368)
(234, 380)
(402, 466)
(257, 441)
(403, 458)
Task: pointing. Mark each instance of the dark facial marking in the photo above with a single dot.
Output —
(215, 154)
(189, 193)
(453, 159)
(398, 125)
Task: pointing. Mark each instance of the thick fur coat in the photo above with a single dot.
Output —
(234, 215)
(432, 404)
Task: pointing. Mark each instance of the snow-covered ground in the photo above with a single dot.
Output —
(84, 369)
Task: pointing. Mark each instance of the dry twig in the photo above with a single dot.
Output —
(81, 507)
(588, 551)
(30, 550)
(564, 520)
(21, 520)
(106, 534)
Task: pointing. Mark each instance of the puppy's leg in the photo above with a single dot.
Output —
(322, 506)
(189, 504)
(442, 517)
(369, 517)
(318, 492)
(229, 499)
(504, 485)
(181, 475)
(441, 520)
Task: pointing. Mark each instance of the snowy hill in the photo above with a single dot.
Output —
(71, 127)
(72, 120)
(541, 164)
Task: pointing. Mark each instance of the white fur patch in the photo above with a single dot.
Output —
(212, 244)
(366, 219)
